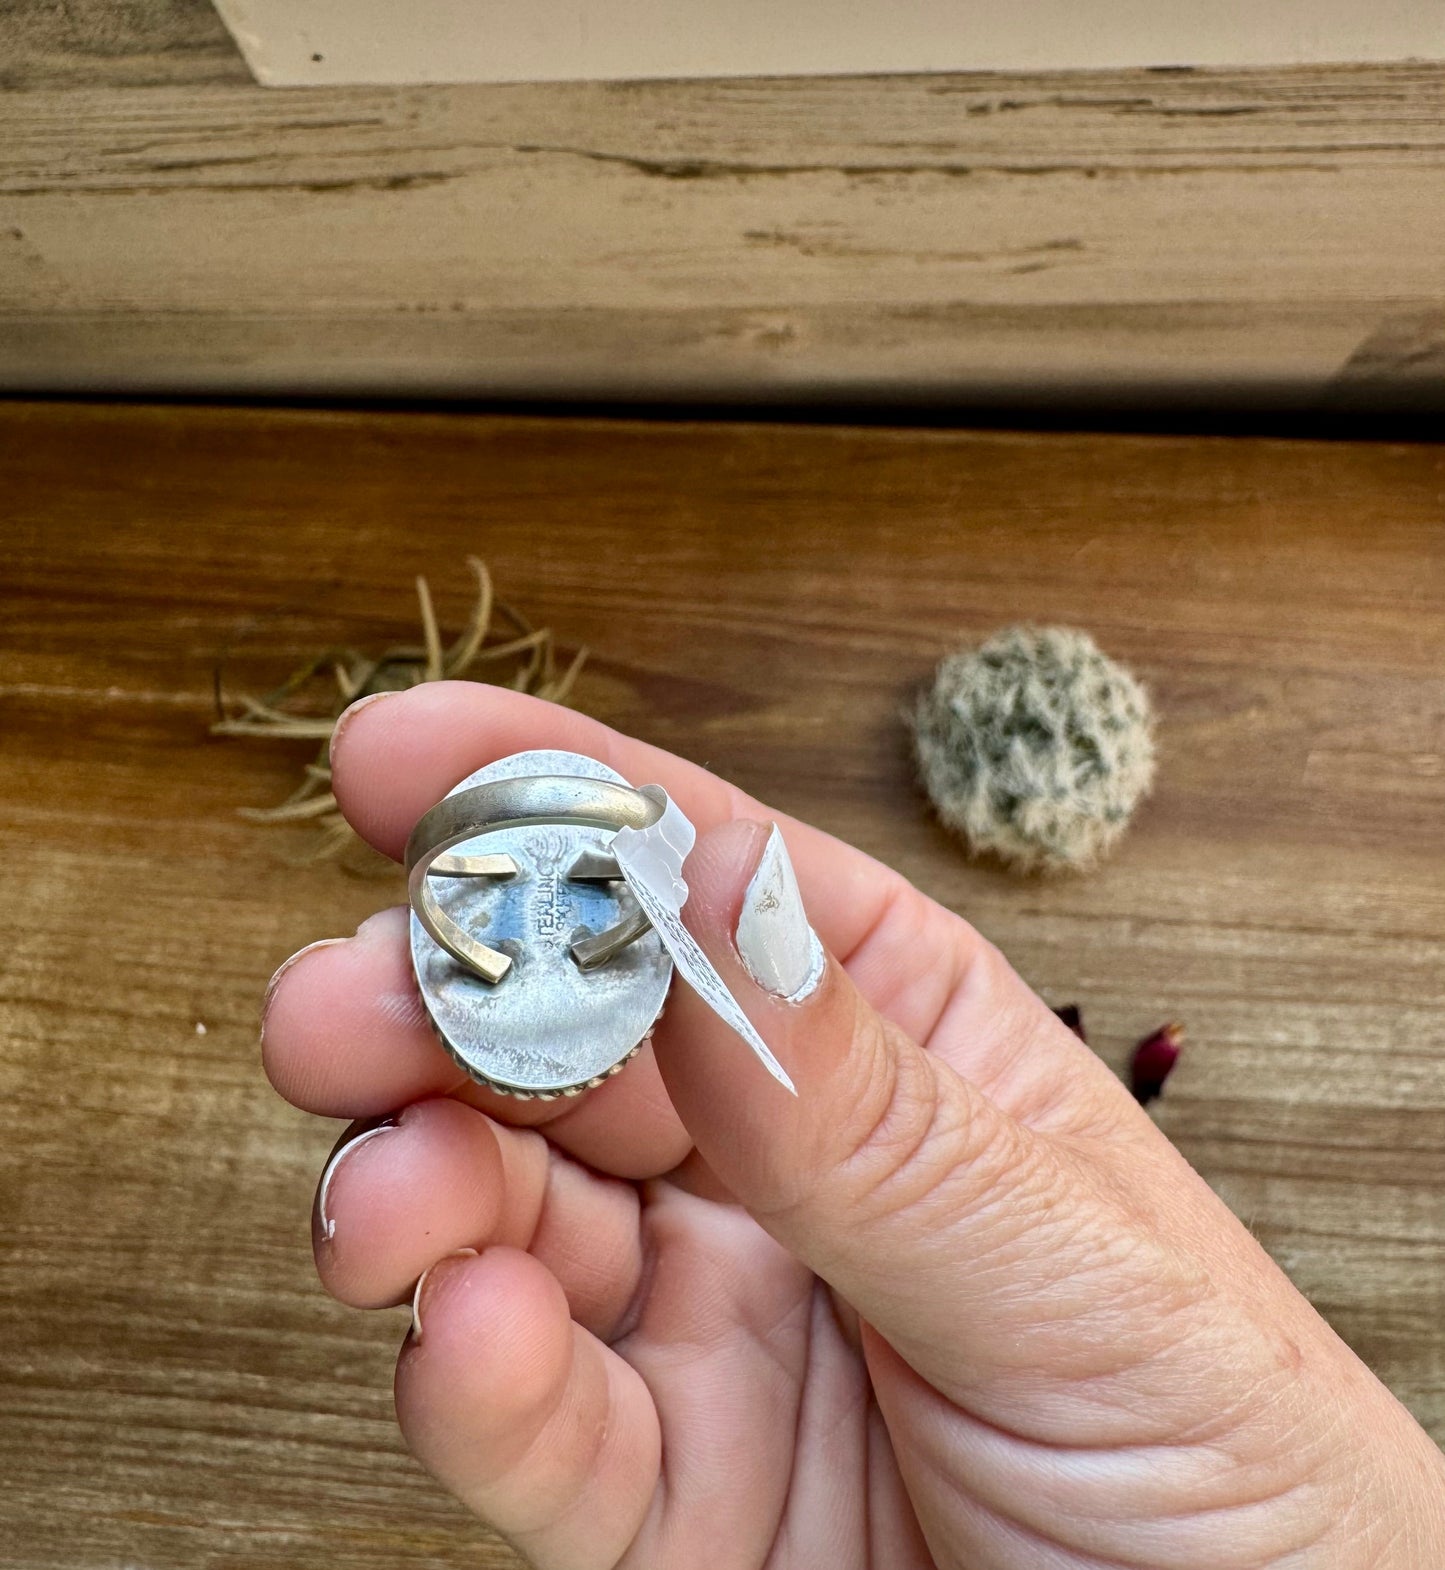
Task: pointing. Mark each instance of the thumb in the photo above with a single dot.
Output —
(972, 1243)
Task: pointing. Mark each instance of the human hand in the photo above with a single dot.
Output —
(959, 1303)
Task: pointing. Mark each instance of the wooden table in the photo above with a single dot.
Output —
(176, 1389)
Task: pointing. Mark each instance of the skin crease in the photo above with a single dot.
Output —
(959, 1303)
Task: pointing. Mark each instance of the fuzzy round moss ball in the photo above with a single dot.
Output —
(1036, 747)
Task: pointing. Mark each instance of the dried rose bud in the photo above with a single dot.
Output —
(1153, 1061)
(1073, 1019)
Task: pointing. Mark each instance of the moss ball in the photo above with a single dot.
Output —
(1036, 747)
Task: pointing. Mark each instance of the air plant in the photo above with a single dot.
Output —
(307, 705)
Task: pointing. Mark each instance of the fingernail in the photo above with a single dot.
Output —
(328, 1172)
(780, 950)
(348, 714)
(285, 965)
(456, 1253)
(379, 921)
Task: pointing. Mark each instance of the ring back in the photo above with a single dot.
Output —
(550, 1028)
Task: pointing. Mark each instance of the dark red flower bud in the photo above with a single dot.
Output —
(1153, 1061)
(1073, 1019)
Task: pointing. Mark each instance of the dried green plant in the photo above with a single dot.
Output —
(307, 705)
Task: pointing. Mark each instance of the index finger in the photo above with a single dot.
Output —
(921, 966)
(396, 755)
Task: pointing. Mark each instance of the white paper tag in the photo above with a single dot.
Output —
(651, 861)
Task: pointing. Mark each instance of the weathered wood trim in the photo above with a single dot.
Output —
(1246, 232)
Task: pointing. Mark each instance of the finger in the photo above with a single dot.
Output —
(344, 1034)
(395, 1198)
(627, 1127)
(395, 755)
(535, 1425)
(912, 959)
(983, 1251)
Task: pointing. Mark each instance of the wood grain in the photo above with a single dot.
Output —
(116, 43)
(176, 1390)
(167, 225)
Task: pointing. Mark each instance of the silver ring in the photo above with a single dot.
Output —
(518, 803)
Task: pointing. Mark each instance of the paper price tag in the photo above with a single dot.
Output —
(651, 862)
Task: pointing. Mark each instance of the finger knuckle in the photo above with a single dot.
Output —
(917, 1140)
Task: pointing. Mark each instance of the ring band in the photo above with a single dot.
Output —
(516, 803)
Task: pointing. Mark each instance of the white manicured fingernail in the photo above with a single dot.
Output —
(328, 1224)
(780, 950)
(456, 1253)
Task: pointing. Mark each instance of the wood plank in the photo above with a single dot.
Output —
(1272, 234)
(762, 599)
